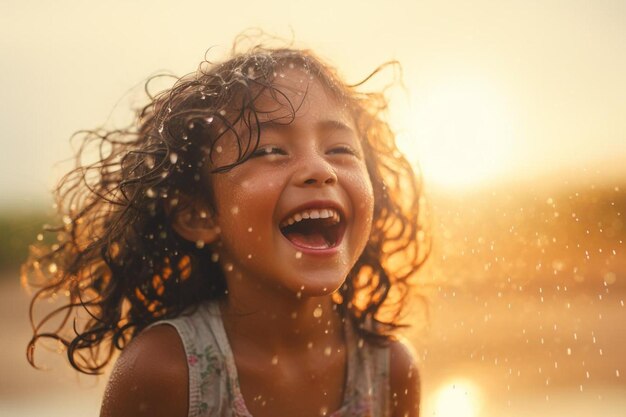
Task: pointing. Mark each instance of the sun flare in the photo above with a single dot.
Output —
(461, 133)
(458, 398)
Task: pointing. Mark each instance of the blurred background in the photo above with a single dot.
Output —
(515, 110)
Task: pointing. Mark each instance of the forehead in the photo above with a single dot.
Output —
(294, 101)
(295, 93)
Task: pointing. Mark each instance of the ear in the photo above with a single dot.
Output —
(195, 223)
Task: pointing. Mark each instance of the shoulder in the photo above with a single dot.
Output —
(150, 377)
(404, 381)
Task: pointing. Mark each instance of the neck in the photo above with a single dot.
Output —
(276, 320)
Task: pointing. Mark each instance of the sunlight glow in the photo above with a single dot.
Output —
(458, 398)
(461, 132)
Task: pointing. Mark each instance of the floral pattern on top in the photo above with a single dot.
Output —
(209, 360)
(214, 386)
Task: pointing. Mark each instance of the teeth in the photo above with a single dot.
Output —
(312, 214)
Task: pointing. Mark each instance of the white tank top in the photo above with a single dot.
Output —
(214, 386)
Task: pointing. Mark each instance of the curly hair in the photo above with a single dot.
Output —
(119, 263)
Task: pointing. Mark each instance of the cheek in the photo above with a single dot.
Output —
(245, 205)
(362, 195)
(364, 191)
(239, 189)
(368, 206)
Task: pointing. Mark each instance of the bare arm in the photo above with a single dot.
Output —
(404, 381)
(150, 378)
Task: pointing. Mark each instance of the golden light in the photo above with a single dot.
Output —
(458, 398)
(462, 132)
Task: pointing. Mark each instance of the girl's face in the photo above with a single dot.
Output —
(298, 213)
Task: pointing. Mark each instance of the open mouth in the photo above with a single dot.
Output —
(314, 228)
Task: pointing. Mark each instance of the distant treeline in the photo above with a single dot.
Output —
(580, 224)
(17, 232)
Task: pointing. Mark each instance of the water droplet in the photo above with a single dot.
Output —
(200, 244)
(249, 256)
(298, 255)
(173, 157)
(161, 128)
(150, 193)
(52, 268)
(310, 346)
(234, 210)
(215, 257)
(328, 350)
(209, 120)
(229, 267)
(40, 237)
(317, 313)
(323, 411)
(274, 360)
(610, 278)
(569, 351)
(222, 112)
(218, 149)
(67, 220)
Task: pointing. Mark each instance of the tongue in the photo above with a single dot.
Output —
(309, 240)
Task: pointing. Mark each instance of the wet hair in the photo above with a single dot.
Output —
(117, 264)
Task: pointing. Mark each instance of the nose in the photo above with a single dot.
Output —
(315, 171)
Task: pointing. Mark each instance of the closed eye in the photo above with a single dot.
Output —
(344, 149)
(267, 150)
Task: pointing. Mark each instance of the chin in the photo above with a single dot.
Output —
(318, 286)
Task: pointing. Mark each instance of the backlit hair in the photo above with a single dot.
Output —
(119, 265)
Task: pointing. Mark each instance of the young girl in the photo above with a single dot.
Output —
(247, 244)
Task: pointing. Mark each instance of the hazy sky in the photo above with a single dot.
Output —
(494, 88)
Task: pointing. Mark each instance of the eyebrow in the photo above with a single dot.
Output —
(335, 125)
